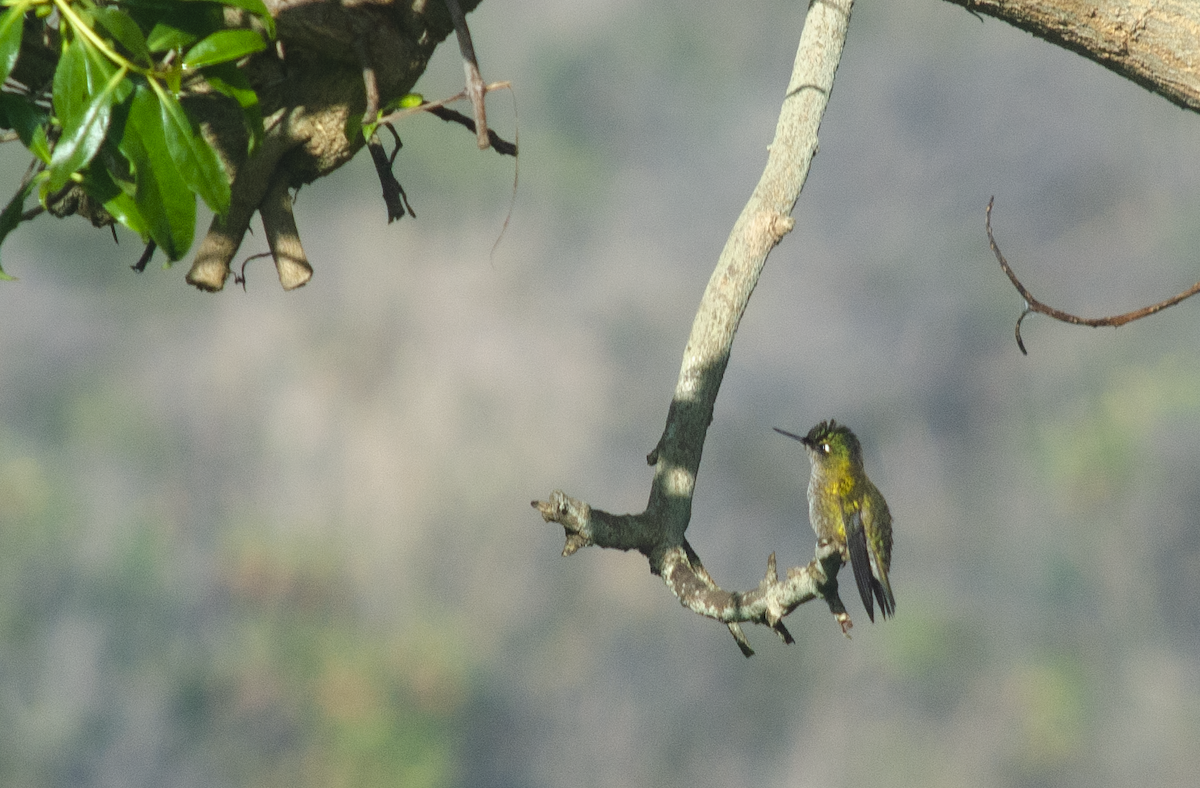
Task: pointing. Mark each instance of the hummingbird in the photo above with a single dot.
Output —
(846, 509)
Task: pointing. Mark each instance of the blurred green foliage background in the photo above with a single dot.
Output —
(268, 539)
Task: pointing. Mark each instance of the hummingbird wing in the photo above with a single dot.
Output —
(860, 558)
(878, 522)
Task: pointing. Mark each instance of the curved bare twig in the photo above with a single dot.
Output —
(1034, 305)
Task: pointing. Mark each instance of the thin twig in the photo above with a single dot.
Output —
(371, 86)
(501, 145)
(433, 107)
(241, 280)
(393, 193)
(147, 253)
(476, 90)
(1034, 305)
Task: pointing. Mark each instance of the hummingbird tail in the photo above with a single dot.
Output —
(883, 592)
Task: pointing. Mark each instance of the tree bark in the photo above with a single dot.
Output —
(311, 84)
(1155, 43)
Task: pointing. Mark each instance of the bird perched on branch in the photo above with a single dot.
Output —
(846, 509)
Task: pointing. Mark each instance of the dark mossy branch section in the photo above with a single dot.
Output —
(132, 109)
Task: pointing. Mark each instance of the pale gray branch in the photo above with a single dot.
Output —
(658, 532)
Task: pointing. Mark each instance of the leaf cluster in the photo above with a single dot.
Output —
(113, 120)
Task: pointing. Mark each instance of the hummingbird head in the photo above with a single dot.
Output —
(830, 445)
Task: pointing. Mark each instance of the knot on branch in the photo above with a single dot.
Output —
(775, 612)
(574, 516)
(780, 226)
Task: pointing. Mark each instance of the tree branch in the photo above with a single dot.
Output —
(1034, 305)
(279, 225)
(1155, 43)
(1152, 42)
(394, 198)
(331, 60)
(476, 89)
(658, 532)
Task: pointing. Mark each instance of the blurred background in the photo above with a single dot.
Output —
(269, 539)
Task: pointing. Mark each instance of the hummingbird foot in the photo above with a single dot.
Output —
(843, 618)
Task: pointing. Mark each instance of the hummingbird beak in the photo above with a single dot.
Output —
(791, 435)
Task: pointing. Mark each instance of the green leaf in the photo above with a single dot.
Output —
(354, 126)
(82, 138)
(162, 197)
(180, 25)
(124, 30)
(100, 71)
(10, 217)
(407, 101)
(229, 80)
(12, 22)
(198, 163)
(39, 145)
(173, 76)
(70, 84)
(99, 184)
(222, 47)
(164, 37)
(28, 120)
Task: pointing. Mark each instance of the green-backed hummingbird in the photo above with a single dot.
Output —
(846, 509)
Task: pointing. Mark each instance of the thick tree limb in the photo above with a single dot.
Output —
(1034, 305)
(1155, 43)
(331, 61)
(283, 239)
(658, 532)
